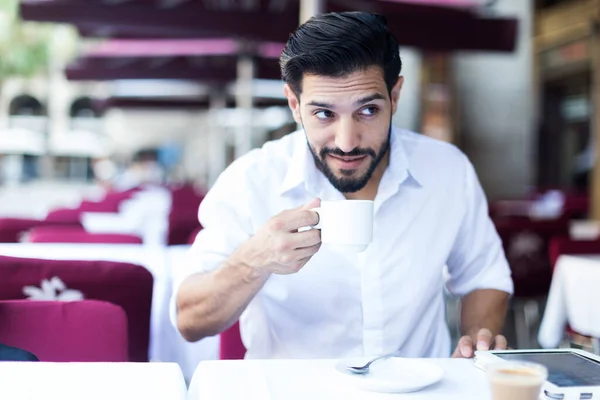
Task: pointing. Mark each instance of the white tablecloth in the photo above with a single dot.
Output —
(166, 344)
(315, 380)
(91, 381)
(573, 298)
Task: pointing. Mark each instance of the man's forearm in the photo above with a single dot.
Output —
(208, 303)
(484, 308)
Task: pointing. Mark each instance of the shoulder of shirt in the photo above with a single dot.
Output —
(424, 149)
(271, 160)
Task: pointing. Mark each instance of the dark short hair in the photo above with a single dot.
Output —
(338, 44)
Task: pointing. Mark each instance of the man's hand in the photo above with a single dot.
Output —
(278, 247)
(483, 341)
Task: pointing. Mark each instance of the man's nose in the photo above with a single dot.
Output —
(347, 137)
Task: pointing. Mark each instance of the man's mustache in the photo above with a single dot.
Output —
(357, 152)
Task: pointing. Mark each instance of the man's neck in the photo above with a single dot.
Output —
(370, 190)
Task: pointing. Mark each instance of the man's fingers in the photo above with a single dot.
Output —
(501, 343)
(307, 252)
(305, 239)
(295, 221)
(484, 339)
(301, 217)
(464, 349)
(314, 203)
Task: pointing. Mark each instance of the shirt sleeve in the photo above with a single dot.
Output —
(226, 220)
(477, 259)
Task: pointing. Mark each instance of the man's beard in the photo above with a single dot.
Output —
(347, 183)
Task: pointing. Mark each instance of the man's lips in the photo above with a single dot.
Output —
(347, 162)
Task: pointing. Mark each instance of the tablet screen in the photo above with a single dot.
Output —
(564, 369)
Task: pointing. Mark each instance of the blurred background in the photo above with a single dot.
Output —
(117, 116)
(85, 86)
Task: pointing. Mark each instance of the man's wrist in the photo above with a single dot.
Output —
(246, 270)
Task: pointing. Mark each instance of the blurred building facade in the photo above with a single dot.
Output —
(495, 109)
(48, 129)
(482, 102)
(566, 76)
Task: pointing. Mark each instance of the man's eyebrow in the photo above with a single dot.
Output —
(357, 103)
(371, 97)
(320, 104)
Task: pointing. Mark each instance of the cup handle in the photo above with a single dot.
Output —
(320, 214)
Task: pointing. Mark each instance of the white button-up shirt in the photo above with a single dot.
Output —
(430, 212)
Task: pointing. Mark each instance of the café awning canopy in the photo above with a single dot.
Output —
(426, 24)
(206, 60)
(133, 103)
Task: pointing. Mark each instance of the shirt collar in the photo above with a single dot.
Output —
(299, 164)
(401, 166)
(302, 169)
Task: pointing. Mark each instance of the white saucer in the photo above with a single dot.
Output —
(394, 375)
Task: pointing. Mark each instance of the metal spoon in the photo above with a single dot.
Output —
(365, 368)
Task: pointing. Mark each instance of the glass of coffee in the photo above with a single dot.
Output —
(514, 380)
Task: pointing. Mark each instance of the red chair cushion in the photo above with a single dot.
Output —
(183, 218)
(526, 244)
(564, 245)
(58, 331)
(126, 285)
(52, 234)
(110, 203)
(231, 346)
(195, 233)
(64, 215)
(11, 229)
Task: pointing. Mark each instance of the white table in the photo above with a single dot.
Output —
(316, 379)
(573, 298)
(166, 344)
(91, 381)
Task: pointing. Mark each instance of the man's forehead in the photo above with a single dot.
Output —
(372, 76)
(355, 85)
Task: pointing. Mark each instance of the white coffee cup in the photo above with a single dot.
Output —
(346, 225)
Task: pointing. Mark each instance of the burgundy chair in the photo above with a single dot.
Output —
(110, 203)
(577, 205)
(526, 244)
(231, 346)
(183, 218)
(53, 234)
(509, 208)
(99, 206)
(126, 285)
(64, 215)
(565, 245)
(195, 233)
(11, 229)
(58, 331)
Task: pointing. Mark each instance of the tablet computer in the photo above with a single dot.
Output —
(572, 374)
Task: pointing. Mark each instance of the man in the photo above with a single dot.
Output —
(298, 299)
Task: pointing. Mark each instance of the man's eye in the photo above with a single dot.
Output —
(368, 111)
(323, 114)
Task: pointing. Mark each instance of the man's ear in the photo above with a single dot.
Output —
(395, 94)
(293, 103)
